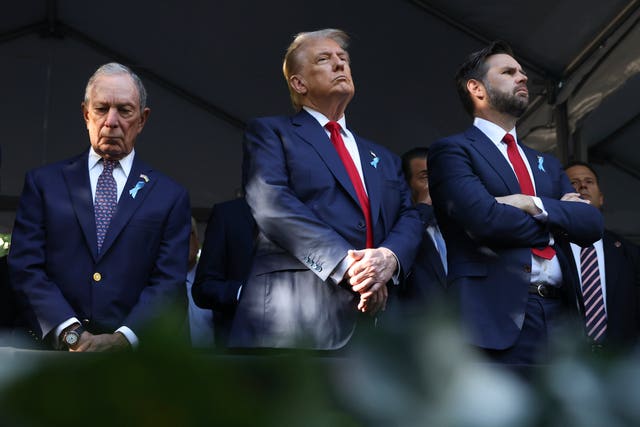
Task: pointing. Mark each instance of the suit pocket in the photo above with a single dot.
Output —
(276, 262)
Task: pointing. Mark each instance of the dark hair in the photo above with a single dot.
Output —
(414, 153)
(586, 165)
(474, 67)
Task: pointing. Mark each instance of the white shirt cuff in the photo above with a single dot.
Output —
(542, 216)
(63, 325)
(129, 335)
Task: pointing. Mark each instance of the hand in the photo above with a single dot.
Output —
(574, 197)
(101, 343)
(375, 300)
(370, 266)
(520, 201)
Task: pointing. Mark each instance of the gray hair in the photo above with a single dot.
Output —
(291, 63)
(114, 68)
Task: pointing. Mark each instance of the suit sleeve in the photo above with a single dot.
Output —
(457, 190)
(581, 223)
(27, 261)
(281, 216)
(211, 288)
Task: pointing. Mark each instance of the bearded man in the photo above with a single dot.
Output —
(501, 208)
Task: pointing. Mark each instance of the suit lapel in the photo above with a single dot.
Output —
(76, 175)
(312, 133)
(540, 177)
(494, 158)
(127, 205)
(371, 176)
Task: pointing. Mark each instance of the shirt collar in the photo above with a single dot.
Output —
(125, 163)
(494, 132)
(323, 120)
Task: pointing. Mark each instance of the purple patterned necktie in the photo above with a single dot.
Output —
(594, 312)
(106, 199)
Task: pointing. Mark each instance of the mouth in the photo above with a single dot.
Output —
(340, 79)
(522, 91)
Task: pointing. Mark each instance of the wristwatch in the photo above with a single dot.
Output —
(71, 338)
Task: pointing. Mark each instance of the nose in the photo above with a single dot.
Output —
(111, 120)
(338, 62)
(522, 78)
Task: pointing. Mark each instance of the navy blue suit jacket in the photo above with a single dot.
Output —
(224, 263)
(54, 264)
(308, 215)
(427, 282)
(489, 243)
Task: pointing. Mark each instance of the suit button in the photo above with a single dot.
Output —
(97, 277)
(527, 269)
(318, 268)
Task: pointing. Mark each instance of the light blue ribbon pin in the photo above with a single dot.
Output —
(375, 160)
(541, 164)
(135, 189)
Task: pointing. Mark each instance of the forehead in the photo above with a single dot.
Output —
(580, 172)
(418, 163)
(317, 46)
(502, 60)
(114, 88)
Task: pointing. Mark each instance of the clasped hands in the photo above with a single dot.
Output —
(368, 274)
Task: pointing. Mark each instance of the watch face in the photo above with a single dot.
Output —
(71, 338)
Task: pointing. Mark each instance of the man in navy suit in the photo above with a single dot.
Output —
(501, 206)
(427, 281)
(224, 263)
(619, 265)
(91, 280)
(334, 214)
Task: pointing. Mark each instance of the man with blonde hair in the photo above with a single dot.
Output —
(334, 214)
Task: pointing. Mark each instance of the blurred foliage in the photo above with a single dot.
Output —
(410, 373)
(5, 243)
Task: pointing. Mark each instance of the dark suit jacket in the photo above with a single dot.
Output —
(622, 269)
(488, 243)
(7, 303)
(54, 264)
(427, 281)
(224, 263)
(308, 215)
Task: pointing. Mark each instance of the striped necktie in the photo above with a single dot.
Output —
(594, 312)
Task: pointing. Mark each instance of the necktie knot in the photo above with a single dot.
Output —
(509, 140)
(333, 127)
(109, 165)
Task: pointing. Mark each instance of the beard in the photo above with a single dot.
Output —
(507, 103)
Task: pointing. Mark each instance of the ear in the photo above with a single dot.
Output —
(298, 84)
(143, 118)
(476, 89)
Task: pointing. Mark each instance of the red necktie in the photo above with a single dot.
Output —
(594, 313)
(526, 186)
(338, 143)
